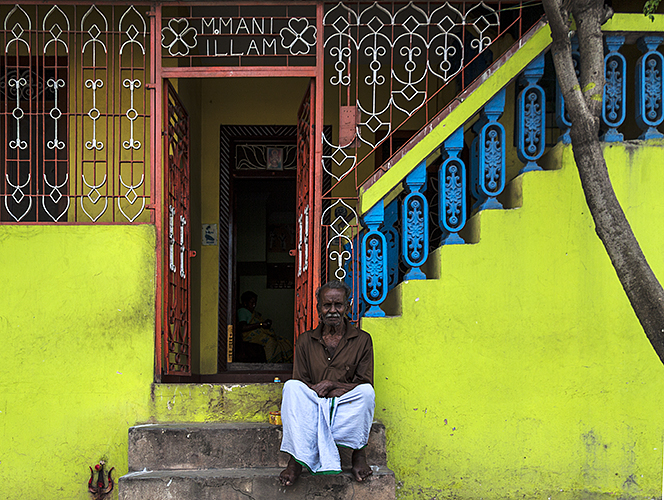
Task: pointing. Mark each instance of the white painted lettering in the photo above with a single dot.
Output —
(257, 28)
(216, 51)
(234, 54)
(267, 44)
(209, 24)
(228, 22)
(253, 46)
(242, 25)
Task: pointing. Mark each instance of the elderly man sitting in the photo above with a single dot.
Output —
(330, 400)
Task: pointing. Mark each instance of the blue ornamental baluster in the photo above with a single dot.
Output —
(475, 162)
(491, 177)
(352, 277)
(562, 118)
(650, 91)
(392, 236)
(374, 262)
(615, 88)
(452, 190)
(415, 223)
(531, 113)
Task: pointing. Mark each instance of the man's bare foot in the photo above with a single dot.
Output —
(361, 469)
(291, 472)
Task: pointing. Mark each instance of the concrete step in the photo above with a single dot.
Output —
(252, 484)
(223, 446)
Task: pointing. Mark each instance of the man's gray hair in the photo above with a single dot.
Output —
(334, 285)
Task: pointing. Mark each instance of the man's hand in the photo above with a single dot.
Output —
(323, 387)
(335, 393)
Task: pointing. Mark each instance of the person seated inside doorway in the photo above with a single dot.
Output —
(256, 330)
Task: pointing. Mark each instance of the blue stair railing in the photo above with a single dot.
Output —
(385, 259)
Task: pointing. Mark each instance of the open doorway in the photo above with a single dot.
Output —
(243, 217)
(262, 163)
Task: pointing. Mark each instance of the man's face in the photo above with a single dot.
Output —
(332, 307)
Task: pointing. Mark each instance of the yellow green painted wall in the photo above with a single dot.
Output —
(523, 372)
(77, 323)
(77, 320)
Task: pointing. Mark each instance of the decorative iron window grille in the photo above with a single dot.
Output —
(73, 113)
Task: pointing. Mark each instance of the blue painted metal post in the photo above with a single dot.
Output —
(415, 223)
(615, 88)
(649, 88)
(562, 118)
(531, 113)
(374, 262)
(352, 277)
(452, 190)
(392, 236)
(475, 162)
(492, 153)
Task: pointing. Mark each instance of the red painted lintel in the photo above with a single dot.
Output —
(246, 71)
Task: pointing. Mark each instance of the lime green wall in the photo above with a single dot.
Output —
(77, 318)
(77, 321)
(523, 372)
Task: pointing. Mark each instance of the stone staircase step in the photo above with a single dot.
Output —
(252, 484)
(223, 445)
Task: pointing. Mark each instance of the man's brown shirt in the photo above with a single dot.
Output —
(352, 361)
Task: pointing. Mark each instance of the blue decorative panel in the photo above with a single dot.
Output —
(531, 112)
(452, 190)
(374, 262)
(615, 88)
(649, 93)
(562, 118)
(352, 277)
(491, 176)
(415, 223)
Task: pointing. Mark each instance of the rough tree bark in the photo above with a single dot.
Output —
(583, 101)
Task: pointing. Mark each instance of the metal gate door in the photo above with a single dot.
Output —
(176, 334)
(305, 226)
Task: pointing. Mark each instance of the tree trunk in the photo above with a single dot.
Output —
(583, 101)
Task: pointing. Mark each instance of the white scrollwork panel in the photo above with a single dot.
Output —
(481, 18)
(18, 196)
(94, 114)
(341, 162)
(183, 223)
(131, 114)
(131, 196)
(375, 53)
(55, 113)
(340, 236)
(409, 53)
(18, 22)
(93, 197)
(55, 23)
(305, 265)
(90, 26)
(133, 30)
(340, 43)
(18, 113)
(171, 239)
(56, 195)
(299, 246)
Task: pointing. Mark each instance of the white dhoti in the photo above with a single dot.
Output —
(314, 426)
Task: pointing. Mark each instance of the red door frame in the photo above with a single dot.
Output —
(158, 74)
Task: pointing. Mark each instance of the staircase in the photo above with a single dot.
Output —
(205, 461)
